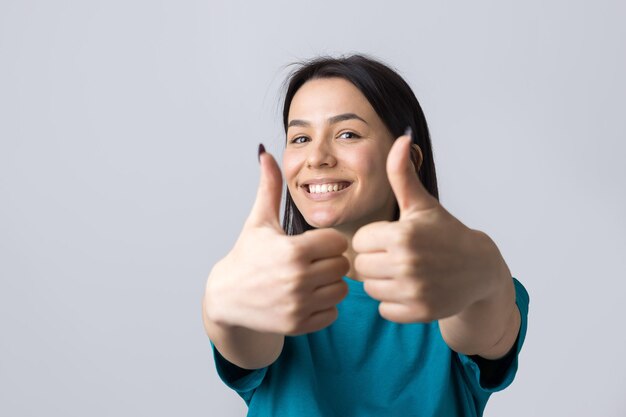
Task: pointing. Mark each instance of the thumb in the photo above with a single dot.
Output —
(267, 204)
(405, 183)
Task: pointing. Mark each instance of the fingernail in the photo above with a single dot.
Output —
(409, 132)
(261, 150)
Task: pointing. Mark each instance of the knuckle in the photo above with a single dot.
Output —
(294, 307)
(402, 237)
(343, 264)
(426, 312)
(429, 315)
(420, 291)
(415, 292)
(293, 320)
(406, 269)
(407, 266)
(293, 274)
(410, 262)
(293, 278)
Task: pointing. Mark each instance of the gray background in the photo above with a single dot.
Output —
(128, 136)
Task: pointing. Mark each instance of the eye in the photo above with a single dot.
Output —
(299, 139)
(349, 135)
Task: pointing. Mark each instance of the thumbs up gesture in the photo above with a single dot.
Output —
(271, 282)
(427, 265)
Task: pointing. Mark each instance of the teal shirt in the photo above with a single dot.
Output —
(364, 365)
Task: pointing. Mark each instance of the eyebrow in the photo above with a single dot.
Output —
(331, 120)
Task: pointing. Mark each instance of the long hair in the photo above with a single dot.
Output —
(389, 95)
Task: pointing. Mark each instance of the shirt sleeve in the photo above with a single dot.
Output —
(243, 381)
(472, 370)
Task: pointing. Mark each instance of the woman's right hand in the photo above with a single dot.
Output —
(271, 282)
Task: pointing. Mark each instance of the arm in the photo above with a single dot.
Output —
(266, 287)
(488, 327)
(243, 347)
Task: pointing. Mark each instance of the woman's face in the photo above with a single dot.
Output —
(335, 158)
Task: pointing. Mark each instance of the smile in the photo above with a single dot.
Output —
(326, 188)
(325, 191)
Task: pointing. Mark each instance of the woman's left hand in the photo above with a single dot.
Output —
(427, 265)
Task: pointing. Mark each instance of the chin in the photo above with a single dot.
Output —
(323, 220)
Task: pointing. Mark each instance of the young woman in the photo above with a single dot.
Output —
(371, 299)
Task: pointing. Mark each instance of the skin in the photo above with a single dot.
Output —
(426, 266)
(354, 150)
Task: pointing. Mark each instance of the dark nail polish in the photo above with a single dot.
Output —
(261, 150)
(409, 132)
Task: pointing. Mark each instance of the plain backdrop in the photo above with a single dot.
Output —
(128, 139)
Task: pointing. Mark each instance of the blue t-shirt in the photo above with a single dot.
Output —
(364, 365)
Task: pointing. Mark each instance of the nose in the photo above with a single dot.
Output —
(321, 154)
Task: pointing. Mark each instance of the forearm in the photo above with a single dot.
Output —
(488, 327)
(244, 347)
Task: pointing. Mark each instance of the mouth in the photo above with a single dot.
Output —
(325, 188)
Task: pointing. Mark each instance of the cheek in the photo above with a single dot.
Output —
(370, 168)
(373, 175)
(291, 166)
(289, 163)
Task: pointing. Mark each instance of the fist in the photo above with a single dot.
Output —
(427, 265)
(271, 282)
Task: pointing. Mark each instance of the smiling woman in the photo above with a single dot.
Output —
(371, 299)
(336, 147)
(383, 95)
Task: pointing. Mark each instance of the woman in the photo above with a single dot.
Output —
(372, 299)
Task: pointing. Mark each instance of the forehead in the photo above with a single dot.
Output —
(326, 97)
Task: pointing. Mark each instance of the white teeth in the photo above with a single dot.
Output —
(325, 188)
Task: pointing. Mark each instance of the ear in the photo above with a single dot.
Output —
(417, 157)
